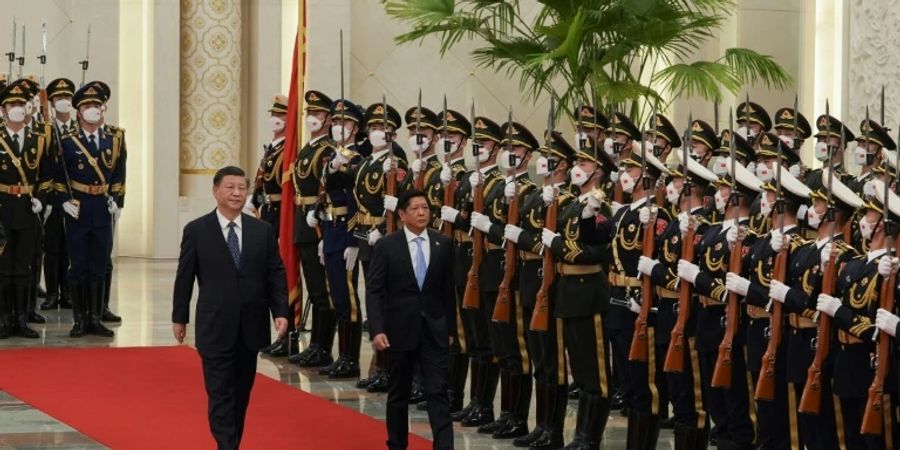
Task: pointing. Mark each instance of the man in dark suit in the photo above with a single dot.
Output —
(411, 306)
(234, 258)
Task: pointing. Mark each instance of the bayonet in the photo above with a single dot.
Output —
(447, 143)
(797, 133)
(87, 56)
(43, 56)
(22, 54)
(11, 55)
(419, 139)
(716, 117)
(343, 100)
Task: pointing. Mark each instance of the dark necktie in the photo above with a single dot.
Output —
(16, 148)
(234, 246)
(92, 145)
(65, 129)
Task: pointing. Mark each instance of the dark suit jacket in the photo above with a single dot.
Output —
(395, 303)
(234, 301)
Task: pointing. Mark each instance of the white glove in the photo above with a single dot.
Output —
(547, 194)
(112, 207)
(509, 191)
(887, 265)
(311, 219)
(887, 322)
(615, 206)
(801, 211)
(795, 170)
(731, 235)
(481, 222)
(751, 166)
(374, 236)
(387, 165)
(776, 241)
(475, 179)
(446, 174)
(778, 291)
(511, 233)
(71, 208)
(350, 254)
(646, 213)
(36, 205)
(634, 306)
(646, 265)
(737, 284)
(338, 161)
(449, 214)
(547, 237)
(684, 223)
(390, 203)
(47, 212)
(320, 250)
(416, 167)
(688, 271)
(614, 176)
(827, 304)
(590, 208)
(825, 255)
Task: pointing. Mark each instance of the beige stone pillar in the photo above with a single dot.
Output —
(210, 91)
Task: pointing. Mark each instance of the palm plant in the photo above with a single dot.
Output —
(620, 53)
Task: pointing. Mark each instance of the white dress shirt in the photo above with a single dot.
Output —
(223, 224)
(413, 247)
(21, 138)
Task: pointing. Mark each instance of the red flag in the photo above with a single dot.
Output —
(292, 138)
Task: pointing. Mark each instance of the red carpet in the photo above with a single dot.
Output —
(153, 398)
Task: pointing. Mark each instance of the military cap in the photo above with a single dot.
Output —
(791, 188)
(600, 157)
(426, 118)
(487, 129)
(346, 110)
(873, 132)
(456, 122)
(621, 124)
(666, 130)
(705, 134)
(559, 147)
(699, 175)
(17, 91)
(784, 118)
(877, 201)
(754, 112)
(768, 148)
(32, 88)
(829, 126)
(375, 114)
(89, 93)
(747, 183)
(655, 167)
(516, 134)
(588, 117)
(317, 101)
(279, 104)
(742, 148)
(60, 86)
(842, 197)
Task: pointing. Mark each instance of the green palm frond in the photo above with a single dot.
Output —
(751, 67)
(701, 78)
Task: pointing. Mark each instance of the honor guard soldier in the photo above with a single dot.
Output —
(507, 339)
(766, 168)
(792, 138)
(484, 368)
(719, 165)
(828, 142)
(704, 143)
(339, 247)
(727, 406)
(308, 176)
(872, 138)
(593, 126)
(582, 297)
(799, 294)
(425, 170)
(662, 139)
(93, 168)
(370, 192)
(758, 270)
(691, 426)
(752, 120)
(56, 259)
(267, 186)
(26, 164)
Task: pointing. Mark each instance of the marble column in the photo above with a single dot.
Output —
(210, 91)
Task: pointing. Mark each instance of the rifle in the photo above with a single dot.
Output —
(675, 354)
(420, 179)
(811, 399)
(391, 175)
(872, 422)
(86, 62)
(450, 189)
(21, 58)
(765, 386)
(471, 297)
(504, 293)
(45, 108)
(618, 192)
(11, 55)
(722, 372)
(640, 347)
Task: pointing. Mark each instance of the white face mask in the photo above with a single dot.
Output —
(609, 147)
(672, 193)
(277, 124)
(860, 156)
(628, 182)
(718, 166)
(821, 151)
(869, 189)
(415, 146)
(542, 168)
(483, 154)
(378, 138)
(313, 123)
(813, 218)
(765, 208)
(721, 202)
(745, 133)
(336, 131)
(63, 106)
(92, 114)
(787, 142)
(579, 176)
(866, 229)
(764, 172)
(16, 114)
(582, 140)
(695, 155)
(503, 161)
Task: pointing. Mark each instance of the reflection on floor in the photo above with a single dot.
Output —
(142, 296)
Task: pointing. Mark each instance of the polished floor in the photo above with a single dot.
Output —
(142, 295)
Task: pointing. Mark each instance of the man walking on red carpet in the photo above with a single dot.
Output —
(412, 313)
(234, 258)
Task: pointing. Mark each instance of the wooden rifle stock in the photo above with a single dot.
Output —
(501, 307)
(873, 418)
(675, 354)
(640, 349)
(540, 318)
(723, 371)
(765, 386)
(811, 400)
(471, 298)
(449, 200)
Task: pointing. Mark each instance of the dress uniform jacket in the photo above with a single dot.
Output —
(24, 175)
(94, 174)
(307, 175)
(267, 194)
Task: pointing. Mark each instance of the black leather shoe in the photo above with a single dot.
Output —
(617, 401)
(320, 358)
(78, 330)
(479, 417)
(304, 355)
(281, 350)
(329, 369)
(21, 330)
(379, 384)
(34, 317)
(514, 428)
(347, 369)
(64, 302)
(530, 438)
(275, 344)
(422, 406)
(458, 416)
(417, 395)
(548, 440)
(496, 425)
(108, 316)
(51, 302)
